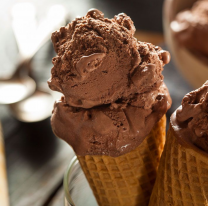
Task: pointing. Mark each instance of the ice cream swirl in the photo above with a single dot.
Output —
(192, 117)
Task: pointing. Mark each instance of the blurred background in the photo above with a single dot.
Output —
(35, 158)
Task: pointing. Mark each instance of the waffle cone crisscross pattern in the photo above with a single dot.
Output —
(127, 179)
(182, 176)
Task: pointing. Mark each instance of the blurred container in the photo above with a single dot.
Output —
(4, 199)
(193, 68)
(76, 188)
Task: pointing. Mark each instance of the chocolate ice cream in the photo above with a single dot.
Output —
(112, 84)
(190, 121)
(190, 28)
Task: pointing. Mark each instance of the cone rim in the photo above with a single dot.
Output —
(187, 144)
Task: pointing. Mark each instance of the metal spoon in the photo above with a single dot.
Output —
(16, 89)
(29, 40)
(20, 85)
(38, 106)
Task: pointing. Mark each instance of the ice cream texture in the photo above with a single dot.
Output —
(190, 121)
(190, 27)
(112, 84)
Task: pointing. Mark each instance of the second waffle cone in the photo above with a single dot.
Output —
(182, 176)
(127, 179)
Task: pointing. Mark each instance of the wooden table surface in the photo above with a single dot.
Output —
(36, 161)
(4, 198)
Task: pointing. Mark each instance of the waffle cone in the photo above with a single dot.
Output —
(182, 178)
(127, 179)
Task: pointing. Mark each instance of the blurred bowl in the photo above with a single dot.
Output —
(193, 67)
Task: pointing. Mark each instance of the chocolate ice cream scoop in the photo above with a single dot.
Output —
(190, 27)
(113, 86)
(98, 59)
(191, 119)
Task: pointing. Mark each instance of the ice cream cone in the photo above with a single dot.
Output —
(182, 178)
(113, 97)
(127, 179)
